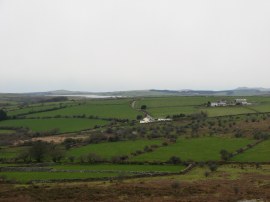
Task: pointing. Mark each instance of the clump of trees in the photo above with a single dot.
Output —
(143, 107)
(260, 135)
(3, 115)
(174, 160)
(40, 151)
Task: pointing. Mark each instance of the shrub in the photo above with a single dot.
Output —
(213, 167)
(174, 160)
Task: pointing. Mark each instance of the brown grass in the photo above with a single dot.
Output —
(248, 186)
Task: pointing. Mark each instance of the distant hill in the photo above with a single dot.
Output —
(241, 91)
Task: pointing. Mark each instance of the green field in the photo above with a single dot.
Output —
(64, 125)
(261, 108)
(111, 149)
(29, 176)
(33, 109)
(197, 149)
(10, 152)
(99, 171)
(224, 111)
(259, 153)
(164, 111)
(174, 101)
(164, 106)
(122, 111)
(122, 167)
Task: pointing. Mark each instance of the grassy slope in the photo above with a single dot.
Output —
(64, 125)
(110, 149)
(259, 153)
(198, 149)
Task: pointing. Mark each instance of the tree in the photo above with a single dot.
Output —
(56, 153)
(225, 155)
(139, 117)
(24, 156)
(38, 151)
(143, 107)
(3, 115)
(93, 158)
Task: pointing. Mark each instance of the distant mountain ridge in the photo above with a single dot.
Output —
(241, 91)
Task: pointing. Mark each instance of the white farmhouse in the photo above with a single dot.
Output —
(147, 119)
(218, 104)
(241, 102)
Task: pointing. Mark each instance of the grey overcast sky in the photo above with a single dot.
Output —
(107, 45)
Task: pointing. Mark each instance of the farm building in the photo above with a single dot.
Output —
(160, 119)
(241, 102)
(218, 104)
(147, 119)
(150, 119)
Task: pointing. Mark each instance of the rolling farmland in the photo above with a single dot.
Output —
(63, 125)
(197, 149)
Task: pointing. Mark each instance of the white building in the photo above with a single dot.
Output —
(218, 104)
(241, 102)
(150, 119)
(147, 119)
(161, 119)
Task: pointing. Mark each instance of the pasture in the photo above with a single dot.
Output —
(173, 101)
(108, 150)
(164, 106)
(62, 124)
(196, 149)
(25, 177)
(121, 111)
(35, 109)
(259, 153)
(10, 152)
(225, 111)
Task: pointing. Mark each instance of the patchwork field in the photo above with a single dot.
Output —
(162, 107)
(112, 149)
(197, 149)
(259, 153)
(165, 111)
(125, 149)
(121, 111)
(224, 111)
(33, 109)
(63, 125)
(173, 101)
